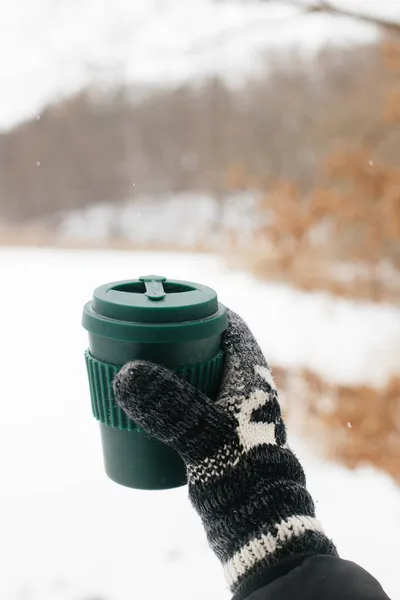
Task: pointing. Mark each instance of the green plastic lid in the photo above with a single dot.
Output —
(154, 309)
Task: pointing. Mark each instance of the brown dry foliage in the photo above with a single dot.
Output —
(390, 50)
(391, 109)
(357, 425)
(352, 213)
(358, 211)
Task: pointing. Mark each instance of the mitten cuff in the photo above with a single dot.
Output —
(295, 535)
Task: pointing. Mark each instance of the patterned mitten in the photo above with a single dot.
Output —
(244, 481)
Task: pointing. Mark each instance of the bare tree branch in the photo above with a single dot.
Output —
(327, 8)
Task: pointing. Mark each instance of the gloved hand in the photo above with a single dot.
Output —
(244, 481)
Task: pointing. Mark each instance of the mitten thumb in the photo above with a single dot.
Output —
(172, 410)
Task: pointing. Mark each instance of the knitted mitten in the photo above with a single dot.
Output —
(244, 481)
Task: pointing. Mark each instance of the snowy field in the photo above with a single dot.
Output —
(51, 49)
(67, 533)
(151, 220)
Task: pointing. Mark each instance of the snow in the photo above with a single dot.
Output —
(67, 533)
(51, 49)
(150, 220)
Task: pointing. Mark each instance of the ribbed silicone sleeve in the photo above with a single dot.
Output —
(204, 376)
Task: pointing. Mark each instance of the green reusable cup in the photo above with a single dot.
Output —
(177, 324)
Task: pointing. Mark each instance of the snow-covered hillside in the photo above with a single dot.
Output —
(67, 533)
(49, 49)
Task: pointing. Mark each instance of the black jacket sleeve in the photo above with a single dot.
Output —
(317, 578)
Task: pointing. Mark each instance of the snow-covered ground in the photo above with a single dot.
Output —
(50, 49)
(150, 220)
(66, 532)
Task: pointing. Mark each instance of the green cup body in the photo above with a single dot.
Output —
(177, 324)
(131, 457)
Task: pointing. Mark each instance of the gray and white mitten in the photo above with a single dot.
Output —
(244, 481)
